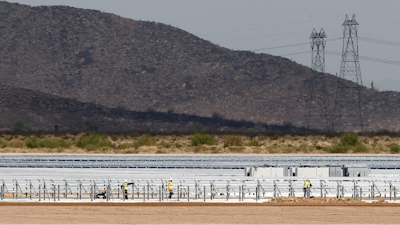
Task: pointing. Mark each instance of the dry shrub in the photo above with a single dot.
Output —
(127, 145)
(130, 151)
(257, 150)
(178, 145)
(394, 148)
(233, 140)
(236, 149)
(203, 139)
(16, 144)
(200, 149)
(214, 150)
(164, 144)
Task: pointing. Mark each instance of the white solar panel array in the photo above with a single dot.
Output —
(194, 185)
(192, 162)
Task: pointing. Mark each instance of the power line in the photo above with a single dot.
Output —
(378, 41)
(381, 19)
(293, 45)
(272, 35)
(368, 58)
(296, 53)
(275, 25)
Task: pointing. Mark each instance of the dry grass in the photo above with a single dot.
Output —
(181, 144)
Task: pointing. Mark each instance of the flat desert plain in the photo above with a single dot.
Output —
(197, 213)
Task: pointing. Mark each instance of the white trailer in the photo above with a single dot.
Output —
(309, 171)
(264, 171)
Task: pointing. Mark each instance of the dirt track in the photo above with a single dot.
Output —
(197, 213)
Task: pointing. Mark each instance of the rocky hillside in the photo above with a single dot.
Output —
(106, 60)
(44, 111)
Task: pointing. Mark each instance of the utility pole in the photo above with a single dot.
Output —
(350, 108)
(316, 113)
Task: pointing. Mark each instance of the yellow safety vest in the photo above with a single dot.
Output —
(126, 186)
(170, 187)
(307, 184)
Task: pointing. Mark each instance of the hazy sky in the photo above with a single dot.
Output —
(261, 24)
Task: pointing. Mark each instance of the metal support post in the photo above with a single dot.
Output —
(91, 192)
(2, 192)
(227, 192)
(108, 193)
(240, 194)
(148, 192)
(337, 190)
(123, 193)
(118, 192)
(195, 191)
(54, 192)
(390, 190)
(66, 190)
(133, 191)
(80, 191)
(204, 193)
(256, 193)
(372, 192)
(159, 194)
(342, 191)
(274, 190)
(188, 195)
(243, 194)
(40, 191)
(394, 193)
(144, 193)
(361, 194)
(16, 189)
(320, 182)
(211, 192)
(162, 192)
(178, 192)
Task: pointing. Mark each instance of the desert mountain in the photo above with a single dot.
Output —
(44, 111)
(103, 59)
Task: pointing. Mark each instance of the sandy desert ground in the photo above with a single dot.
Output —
(198, 213)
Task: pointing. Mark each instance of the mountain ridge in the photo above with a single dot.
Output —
(102, 58)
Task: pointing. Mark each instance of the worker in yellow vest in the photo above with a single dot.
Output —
(307, 184)
(170, 188)
(125, 187)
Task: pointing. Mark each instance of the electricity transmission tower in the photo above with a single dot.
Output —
(316, 113)
(350, 109)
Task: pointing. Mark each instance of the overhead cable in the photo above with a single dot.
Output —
(275, 25)
(293, 45)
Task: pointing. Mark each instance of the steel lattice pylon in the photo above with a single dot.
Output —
(316, 113)
(350, 110)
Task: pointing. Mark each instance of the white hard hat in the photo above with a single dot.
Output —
(125, 180)
(170, 178)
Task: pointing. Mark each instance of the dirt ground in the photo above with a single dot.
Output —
(325, 201)
(197, 213)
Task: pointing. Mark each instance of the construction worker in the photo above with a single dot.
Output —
(125, 186)
(170, 188)
(308, 185)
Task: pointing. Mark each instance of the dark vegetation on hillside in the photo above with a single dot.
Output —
(127, 74)
(40, 108)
